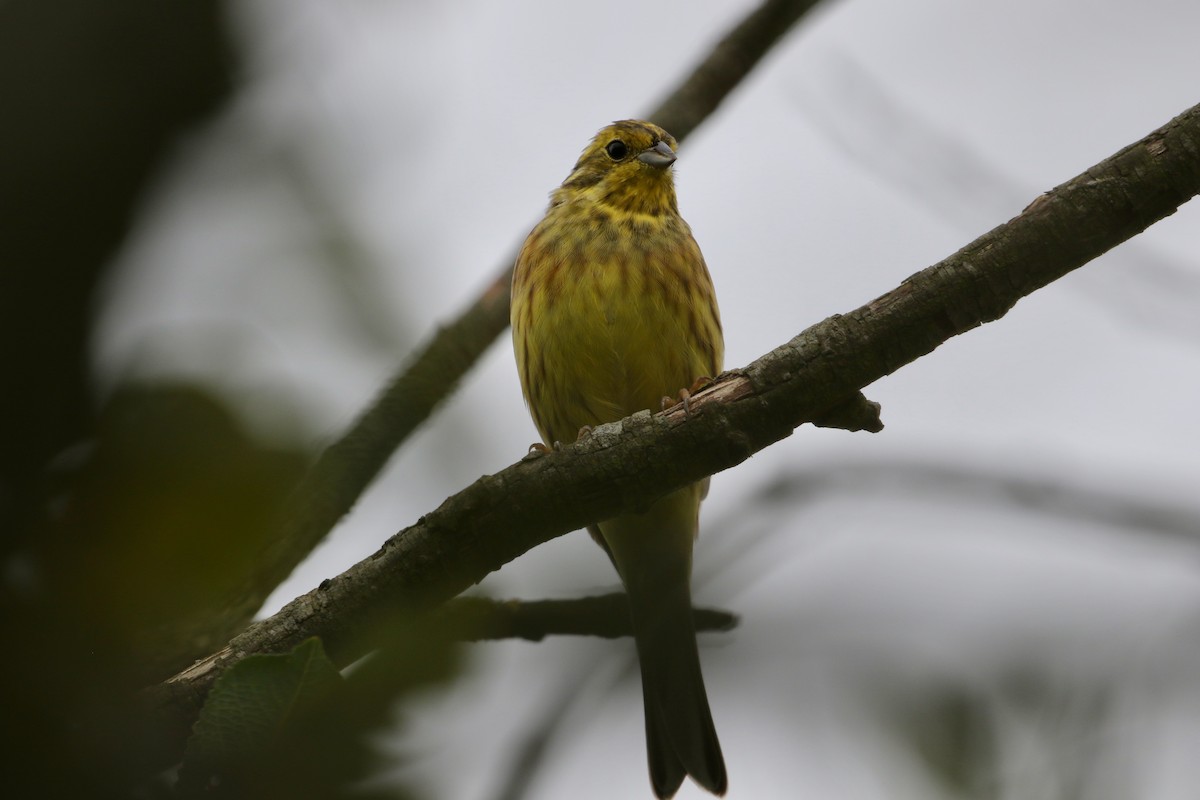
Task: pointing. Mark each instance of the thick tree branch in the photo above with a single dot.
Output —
(628, 464)
(345, 469)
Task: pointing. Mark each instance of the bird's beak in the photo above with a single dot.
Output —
(661, 155)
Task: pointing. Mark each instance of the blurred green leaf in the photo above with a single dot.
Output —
(291, 726)
(162, 522)
(249, 711)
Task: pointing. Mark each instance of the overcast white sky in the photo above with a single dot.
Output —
(384, 157)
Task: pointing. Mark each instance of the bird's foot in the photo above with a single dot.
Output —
(685, 395)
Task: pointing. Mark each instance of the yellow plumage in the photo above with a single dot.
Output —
(613, 309)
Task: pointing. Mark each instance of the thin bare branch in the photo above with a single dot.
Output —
(606, 616)
(934, 168)
(1047, 494)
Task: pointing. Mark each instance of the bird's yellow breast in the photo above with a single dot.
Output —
(611, 312)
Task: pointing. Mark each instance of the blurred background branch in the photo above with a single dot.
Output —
(347, 467)
(936, 170)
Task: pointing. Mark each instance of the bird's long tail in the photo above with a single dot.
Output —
(655, 565)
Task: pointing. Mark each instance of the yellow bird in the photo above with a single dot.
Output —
(613, 309)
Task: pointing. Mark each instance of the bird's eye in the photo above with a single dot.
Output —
(616, 149)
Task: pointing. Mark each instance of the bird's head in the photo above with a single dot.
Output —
(626, 166)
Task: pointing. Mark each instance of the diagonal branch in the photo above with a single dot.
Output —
(627, 465)
(344, 470)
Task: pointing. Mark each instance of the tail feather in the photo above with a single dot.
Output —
(666, 770)
(653, 553)
(680, 735)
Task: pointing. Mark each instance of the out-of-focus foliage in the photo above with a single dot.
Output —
(94, 95)
(124, 529)
(247, 709)
(163, 523)
(291, 726)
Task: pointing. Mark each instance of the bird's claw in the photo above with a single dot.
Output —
(684, 397)
(537, 450)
